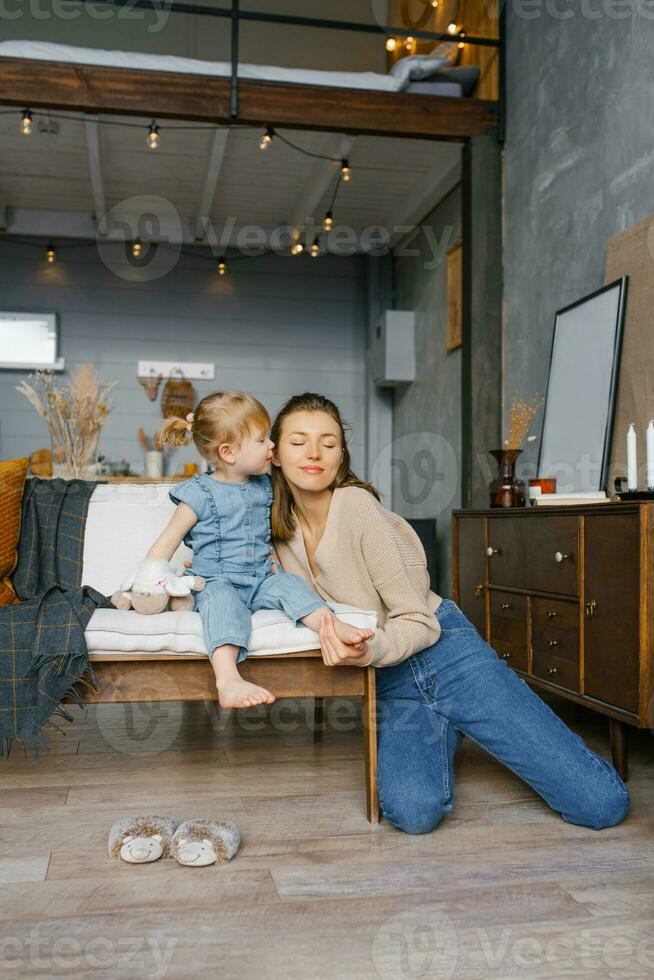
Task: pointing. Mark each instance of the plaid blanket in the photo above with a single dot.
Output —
(43, 651)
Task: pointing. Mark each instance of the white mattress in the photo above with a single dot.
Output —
(69, 53)
(272, 632)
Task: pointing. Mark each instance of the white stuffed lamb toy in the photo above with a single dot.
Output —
(155, 586)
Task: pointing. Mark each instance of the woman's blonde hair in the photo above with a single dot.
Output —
(222, 416)
(282, 519)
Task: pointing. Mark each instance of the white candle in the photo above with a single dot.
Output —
(650, 455)
(632, 462)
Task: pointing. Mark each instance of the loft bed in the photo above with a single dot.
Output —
(61, 76)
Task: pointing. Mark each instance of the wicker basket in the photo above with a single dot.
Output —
(178, 396)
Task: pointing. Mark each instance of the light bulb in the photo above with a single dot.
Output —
(136, 248)
(391, 44)
(452, 28)
(296, 248)
(315, 248)
(345, 171)
(153, 139)
(409, 42)
(434, 3)
(461, 45)
(26, 123)
(51, 253)
(222, 266)
(266, 139)
(328, 221)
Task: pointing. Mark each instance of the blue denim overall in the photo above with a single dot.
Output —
(231, 550)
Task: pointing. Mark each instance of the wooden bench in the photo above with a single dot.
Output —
(166, 676)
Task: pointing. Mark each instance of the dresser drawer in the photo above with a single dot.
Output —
(506, 550)
(555, 669)
(550, 639)
(509, 640)
(554, 612)
(508, 605)
(553, 553)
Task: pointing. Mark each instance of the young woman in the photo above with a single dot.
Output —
(437, 679)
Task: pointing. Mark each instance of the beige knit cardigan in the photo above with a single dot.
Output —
(371, 558)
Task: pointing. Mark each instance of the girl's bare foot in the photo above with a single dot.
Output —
(239, 693)
(351, 634)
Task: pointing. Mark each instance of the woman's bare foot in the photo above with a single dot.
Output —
(239, 693)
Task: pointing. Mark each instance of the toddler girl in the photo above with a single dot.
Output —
(224, 517)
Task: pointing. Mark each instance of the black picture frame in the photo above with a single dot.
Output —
(621, 285)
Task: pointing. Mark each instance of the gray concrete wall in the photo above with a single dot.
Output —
(273, 326)
(426, 455)
(579, 158)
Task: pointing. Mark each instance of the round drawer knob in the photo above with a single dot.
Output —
(550, 613)
(505, 605)
(560, 556)
(552, 670)
(554, 643)
(505, 656)
(492, 551)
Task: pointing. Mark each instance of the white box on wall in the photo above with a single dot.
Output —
(392, 356)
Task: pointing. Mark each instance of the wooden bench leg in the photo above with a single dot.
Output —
(369, 717)
(619, 747)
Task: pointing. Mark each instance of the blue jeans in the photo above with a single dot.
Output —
(227, 602)
(459, 686)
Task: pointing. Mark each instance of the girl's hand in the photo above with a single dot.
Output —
(336, 653)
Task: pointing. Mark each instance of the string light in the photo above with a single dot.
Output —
(315, 248)
(137, 248)
(434, 3)
(266, 139)
(328, 221)
(452, 28)
(409, 42)
(345, 171)
(26, 123)
(297, 248)
(461, 44)
(391, 44)
(153, 139)
(51, 253)
(222, 266)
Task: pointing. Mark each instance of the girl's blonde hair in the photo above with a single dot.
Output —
(222, 416)
(282, 519)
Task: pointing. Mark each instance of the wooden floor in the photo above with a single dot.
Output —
(503, 888)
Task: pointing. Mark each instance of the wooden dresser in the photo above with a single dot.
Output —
(565, 596)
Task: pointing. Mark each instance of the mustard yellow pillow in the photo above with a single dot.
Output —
(12, 482)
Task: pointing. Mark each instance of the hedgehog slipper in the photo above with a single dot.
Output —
(141, 840)
(197, 843)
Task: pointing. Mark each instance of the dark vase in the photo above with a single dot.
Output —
(506, 490)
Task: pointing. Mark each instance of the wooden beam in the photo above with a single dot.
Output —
(320, 178)
(216, 154)
(95, 167)
(171, 95)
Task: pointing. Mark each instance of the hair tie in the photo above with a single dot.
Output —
(189, 420)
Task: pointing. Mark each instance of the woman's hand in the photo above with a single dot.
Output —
(335, 653)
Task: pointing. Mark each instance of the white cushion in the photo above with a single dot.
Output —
(122, 524)
(181, 632)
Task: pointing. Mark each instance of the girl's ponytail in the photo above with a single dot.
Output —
(174, 432)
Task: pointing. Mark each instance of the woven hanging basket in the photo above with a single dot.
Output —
(178, 396)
